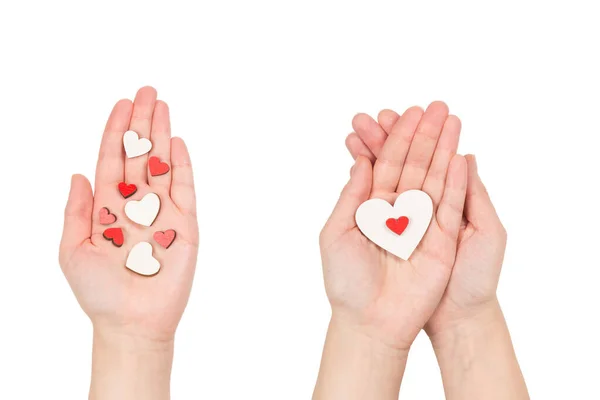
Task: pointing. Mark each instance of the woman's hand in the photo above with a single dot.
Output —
(467, 330)
(387, 297)
(373, 293)
(132, 314)
(481, 241)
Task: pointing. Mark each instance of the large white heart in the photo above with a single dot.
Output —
(143, 212)
(372, 215)
(134, 146)
(140, 260)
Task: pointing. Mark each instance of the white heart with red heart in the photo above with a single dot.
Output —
(372, 215)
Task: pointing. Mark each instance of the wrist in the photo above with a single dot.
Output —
(477, 324)
(465, 322)
(130, 367)
(356, 365)
(120, 341)
(364, 339)
(476, 357)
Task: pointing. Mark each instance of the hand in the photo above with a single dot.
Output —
(471, 291)
(387, 298)
(118, 301)
(467, 330)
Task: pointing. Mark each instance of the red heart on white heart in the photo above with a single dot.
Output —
(372, 216)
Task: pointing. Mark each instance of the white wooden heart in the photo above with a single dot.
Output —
(143, 212)
(372, 215)
(134, 146)
(140, 260)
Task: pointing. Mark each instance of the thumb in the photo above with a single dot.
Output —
(78, 217)
(479, 209)
(356, 191)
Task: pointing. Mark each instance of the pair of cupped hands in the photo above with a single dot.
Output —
(450, 278)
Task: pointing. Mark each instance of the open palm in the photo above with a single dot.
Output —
(109, 293)
(389, 297)
(481, 240)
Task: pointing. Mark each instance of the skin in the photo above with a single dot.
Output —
(134, 317)
(375, 296)
(467, 328)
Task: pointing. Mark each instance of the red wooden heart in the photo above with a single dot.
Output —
(157, 167)
(127, 190)
(166, 238)
(397, 225)
(115, 235)
(106, 218)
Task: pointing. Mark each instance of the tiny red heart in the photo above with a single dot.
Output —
(157, 167)
(397, 225)
(166, 238)
(127, 190)
(106, 218)
(115, 235)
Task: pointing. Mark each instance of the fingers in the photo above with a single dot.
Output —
(370, 132)
(141, 123)
(357, 147)
(387, 119)
(161, 147)
(479, 209)
(111, 160)
(422, 147)
(374, 136)
(355, 192)
(78, 218)
(390, 161)
(182, 180)
(450, 212)
(445, 150)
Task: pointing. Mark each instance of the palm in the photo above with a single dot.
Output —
(395, 296)
(386, 288)
(107, 291)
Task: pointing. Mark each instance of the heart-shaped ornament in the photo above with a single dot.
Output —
(115, 235)
(127, 190)
(143, 212)
(397, 225)
(157, 167)
(400, 228)
(134, 146)
(166, 238)
(106, 218)
(140, 260)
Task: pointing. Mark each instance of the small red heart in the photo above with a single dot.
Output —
(397, 225)
(166, 238)
(157, 167)
(127, 190)
(114, 234)
(106, 218)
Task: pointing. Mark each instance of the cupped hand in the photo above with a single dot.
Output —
(114, 297)
(481, 240)
(373, 291)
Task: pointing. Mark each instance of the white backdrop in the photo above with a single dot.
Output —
(263, 92)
